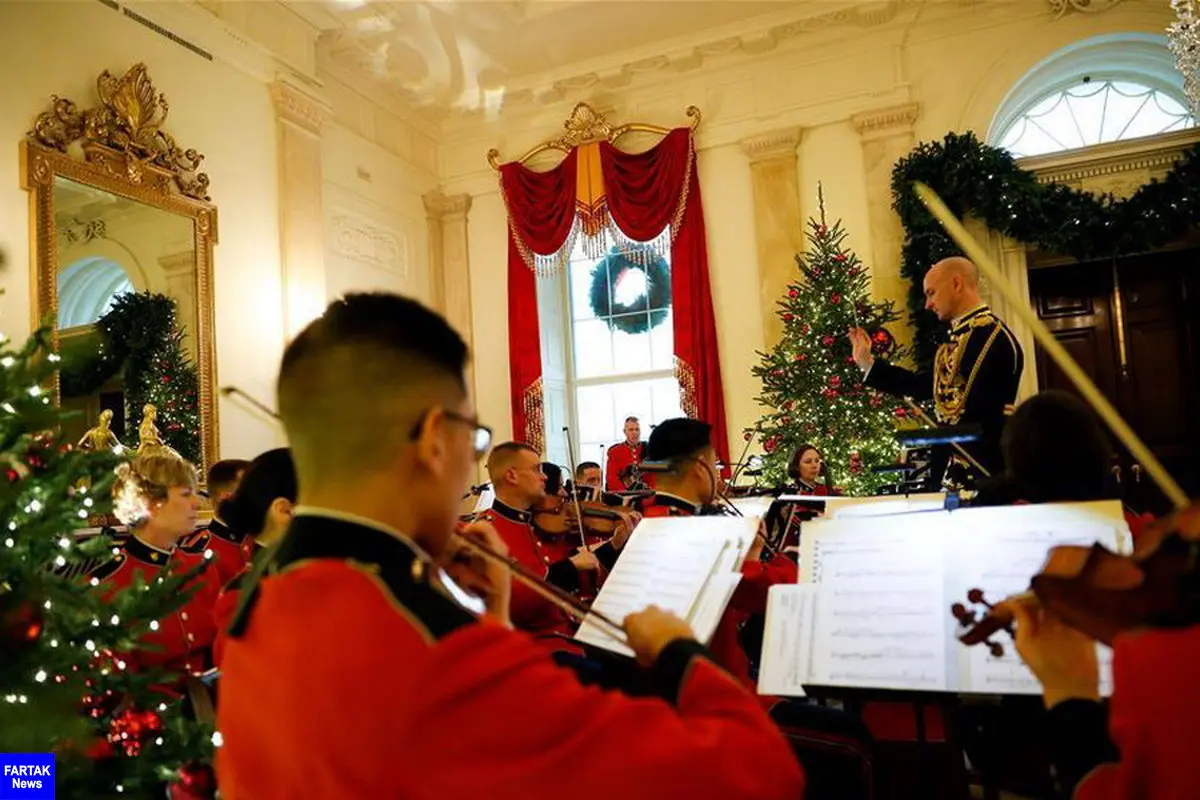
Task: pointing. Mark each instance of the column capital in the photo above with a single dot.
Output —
(449, 207)
(886, 121)
(772, 144)
(299, 106)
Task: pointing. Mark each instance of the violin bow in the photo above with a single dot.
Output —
(574, 495)
(564, 601)
(1020, 306)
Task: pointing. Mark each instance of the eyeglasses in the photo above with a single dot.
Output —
(481, 435)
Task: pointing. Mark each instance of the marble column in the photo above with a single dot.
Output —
(778, 229)
(449, 264)
(887, 136)
(299, 116)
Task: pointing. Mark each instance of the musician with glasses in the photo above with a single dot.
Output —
(358, 667)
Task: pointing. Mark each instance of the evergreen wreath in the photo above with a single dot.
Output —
(631, 318)
(985, 182)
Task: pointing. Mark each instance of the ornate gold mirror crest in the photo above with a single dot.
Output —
(117, 206)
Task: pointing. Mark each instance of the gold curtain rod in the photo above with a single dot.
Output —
(585, 126)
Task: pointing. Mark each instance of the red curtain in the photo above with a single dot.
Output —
(646, 192)
(541, 213)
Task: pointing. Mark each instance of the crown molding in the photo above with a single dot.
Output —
(299, 106)
(441, 206)
(775, 144)
(886, 121)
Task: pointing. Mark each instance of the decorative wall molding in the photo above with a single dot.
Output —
(1148, 153)
(299, 107)
(886, 120)
(774, 144)
(1063, 7)
(440, 206)
(361, 240)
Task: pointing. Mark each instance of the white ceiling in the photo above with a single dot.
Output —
(470, 54)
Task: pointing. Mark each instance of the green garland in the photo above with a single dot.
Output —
(138, 339)
(985, 182)
(656, 300)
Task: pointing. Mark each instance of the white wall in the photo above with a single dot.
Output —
(61, 48)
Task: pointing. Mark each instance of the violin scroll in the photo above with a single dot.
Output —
(978, 627)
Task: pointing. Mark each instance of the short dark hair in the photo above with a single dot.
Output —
(357, 379)
(632, 419)
(502, 453)
(553, 473)
(1056, 450)
(677, 440)
(224, 474)
(793, 469)
(584, 466)
(269, 476)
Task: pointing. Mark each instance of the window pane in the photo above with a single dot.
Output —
(581, 288)
(631, 352)
(665, 397)
(595, 404)
(662, 344)
(593, 349)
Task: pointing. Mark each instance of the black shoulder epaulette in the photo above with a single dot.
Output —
(106, 569)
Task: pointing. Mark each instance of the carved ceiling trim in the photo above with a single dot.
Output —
(1063, 7)
(765, 146)
(885, 119)
(124, 130)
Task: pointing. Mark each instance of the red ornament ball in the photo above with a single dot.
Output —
(747, 436)
(805, 329)
(876, 401)
(840, 257)
(828, 340)
(787, 316)
(835, 298)
(900, 413)
(793, 293)
(21, 624)
(787, 405)
(799, 357)
(835, 381)
(829, 394)
(882, 340)
(195, 782)
(785, 421)
(823, 230)
(776, 373)
(770, 445)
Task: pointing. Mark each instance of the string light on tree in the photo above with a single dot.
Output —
(811, 390)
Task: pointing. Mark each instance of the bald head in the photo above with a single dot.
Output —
(952, 287)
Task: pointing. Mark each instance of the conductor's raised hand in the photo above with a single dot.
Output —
(861, 344)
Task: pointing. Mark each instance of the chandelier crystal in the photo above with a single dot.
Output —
(1183, 37)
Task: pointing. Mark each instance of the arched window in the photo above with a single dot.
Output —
(1105, 89)
(87, 289)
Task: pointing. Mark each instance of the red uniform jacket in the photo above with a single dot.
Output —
(230, 551)
(529, 610)
(621, 456)
(1151, 718)
(227, 603)
(749, 598)
(355, 634)
(184, 636)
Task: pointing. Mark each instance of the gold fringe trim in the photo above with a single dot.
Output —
(533, 403)
(687, 388)
(594, 224)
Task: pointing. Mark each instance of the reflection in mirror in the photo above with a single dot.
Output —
(109, 246)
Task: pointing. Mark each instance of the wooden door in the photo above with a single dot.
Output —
(1139, 345)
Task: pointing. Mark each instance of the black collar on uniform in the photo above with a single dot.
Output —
(146, 552)
(222, 531)
(674, 501)
(962, 323)
(516, 515)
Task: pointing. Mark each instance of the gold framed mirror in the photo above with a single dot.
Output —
(122, 236)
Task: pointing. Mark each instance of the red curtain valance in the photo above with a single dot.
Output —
(625, 195)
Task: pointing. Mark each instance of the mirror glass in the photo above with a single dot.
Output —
(109, 245)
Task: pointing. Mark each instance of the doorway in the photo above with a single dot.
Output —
(1132, 325)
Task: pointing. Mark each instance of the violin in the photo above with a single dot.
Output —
(1102, 594)
(555, 516)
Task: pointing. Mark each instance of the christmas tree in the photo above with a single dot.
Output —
(64, 688)
(811, 389)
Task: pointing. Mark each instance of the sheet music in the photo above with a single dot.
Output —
(787, 640)
(839, 505)
(1011, 545)
(666, 562)
(881, 607)
(882, 587)
(710, 606)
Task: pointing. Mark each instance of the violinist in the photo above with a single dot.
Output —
(357, 628)
(807, 469)
(515, 471)
(623, 457)
(589, 476)
(689, 487)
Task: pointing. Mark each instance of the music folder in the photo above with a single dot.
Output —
(873, 608)
(689, 566)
